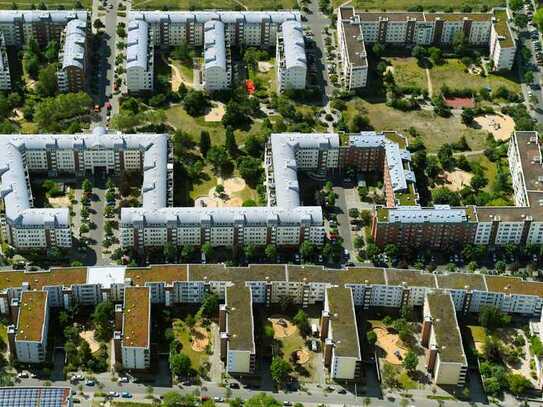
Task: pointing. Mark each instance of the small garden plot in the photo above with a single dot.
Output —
(230, 192)
(457, 179)
(195, 341)
(88, 336)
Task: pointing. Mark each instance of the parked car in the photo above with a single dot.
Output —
(123, 379)
(126, 395)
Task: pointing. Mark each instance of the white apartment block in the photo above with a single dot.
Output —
(5, 75)
(222, 28)
(291, 62)
(355, 28)
(73, 57)
(29, 335)
(217, 65)
(139, 58)
(445, 357)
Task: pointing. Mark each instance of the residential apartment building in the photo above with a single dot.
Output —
(217, 65)
(445, 357)
(28, 339)
(73, 57)
(443, 226)
(69, 28)
(5, 75)
(357, 28)
(339, 332)
(135, 337)
(291, 62)
(263, 285)
(236, 326)
(140, 56)
(216, 32)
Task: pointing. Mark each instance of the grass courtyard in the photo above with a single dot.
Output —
(51, 4)
(434, 130)
(427, 4)
(214, 4)
(184, 335)
(451, 73)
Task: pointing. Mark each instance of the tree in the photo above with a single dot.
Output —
(47, 81)
(169, 252)
(468, 115)
(101, 318)
(271, 252)
(180, 364)
(515, 4)
(250, 169)
(371, 337)
(219, 189)
(98, 24)
(436, 55)
(302, 322)
(444, 195)
(218, 158)
(528, 77)
(230, 143)
(254, 145)
(280, 370)
(87, 186)
(249, 250)
(359, 123)
(248, 203)
(207, 249)
(84, 353)
(307, 249)
(210, 305)
(500, 266)
(478, 181)
(378, 49)
(261, 400)
(410, 361)
(518, 384)
(195, 103)
(491, 317)
(459, 43)
(205, 142)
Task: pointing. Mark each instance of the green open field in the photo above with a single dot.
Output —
(51, 4)
(408, 73)
(427, 4)
(182, 334)
(435, 130)
(452, 74)
(214, 4)
(181, 120)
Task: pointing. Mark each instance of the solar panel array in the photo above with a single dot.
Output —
(35, 397)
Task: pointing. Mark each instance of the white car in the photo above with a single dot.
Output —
(22, 375)
(218, 399)
(123, 379)
(114, 394)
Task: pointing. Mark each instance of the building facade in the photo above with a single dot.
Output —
(140, 69)
(73, 57)
(216, 32)
(357, 28)
(291, 62)
(5, 75)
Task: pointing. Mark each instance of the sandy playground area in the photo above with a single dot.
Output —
(216, 113)
(264, 66)
(200, 339)
(390, 343)
(282, 328)
(302, 356)
(88, 336)
(458, 179)
(500, 126)
(231, 186)
(59, 201)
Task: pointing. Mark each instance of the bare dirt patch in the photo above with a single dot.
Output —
(88, 336)
(282, 328)
(200, 339)
(216, 113)
(391, 344)
(59, 201)
(225, 199)
(457, 179)
(264, 66)
(500, 126)
(302, 356)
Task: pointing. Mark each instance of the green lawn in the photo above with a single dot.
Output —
(408, 73)
(488, 166)
(452, 73)
(478, 333)
(180, 119)
(435, 130)
(182, 334)
(51, 4)
(427, 4)
(214, 4)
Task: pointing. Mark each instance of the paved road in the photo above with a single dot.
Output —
(317, 21)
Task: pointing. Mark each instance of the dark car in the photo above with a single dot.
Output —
(234, 385)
